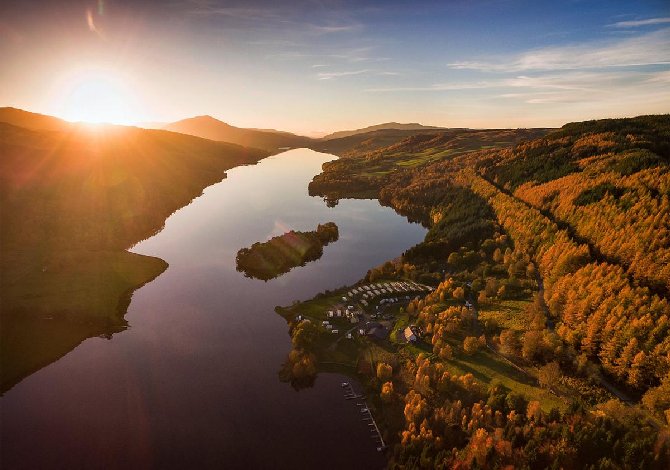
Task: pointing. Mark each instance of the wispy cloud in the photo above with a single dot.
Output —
(332, 75)
(317, 29)
(439, 87)
(358, 54)
(269, 17)
(649, 49)
(591, 87)
(347, 73)
(240, 13)
(573, 81)
(636, 23)
(557, 87)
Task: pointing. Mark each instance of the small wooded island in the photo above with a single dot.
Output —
(280, 254)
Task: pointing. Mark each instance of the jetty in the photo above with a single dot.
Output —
(366, 415)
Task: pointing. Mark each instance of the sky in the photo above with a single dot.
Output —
(312, 66)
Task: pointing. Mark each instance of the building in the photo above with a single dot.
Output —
(409, 335)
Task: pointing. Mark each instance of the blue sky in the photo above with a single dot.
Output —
(316, 66)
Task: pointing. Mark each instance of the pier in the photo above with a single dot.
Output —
(376, 435)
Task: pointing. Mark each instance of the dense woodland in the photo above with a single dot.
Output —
(575, 226)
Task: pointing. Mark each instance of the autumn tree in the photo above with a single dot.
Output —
(534, 411)
(491, 287)
(471, 345)
(531, 342)
(387, 392)
(446, 352)
(549, 375)
(509, 342)
(459, 293)
(657, 399)
(304, 334)
(384, 371)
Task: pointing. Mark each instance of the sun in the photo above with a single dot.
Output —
(96, 96)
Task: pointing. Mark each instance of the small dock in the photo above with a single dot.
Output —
(366, 415)
(350, 394)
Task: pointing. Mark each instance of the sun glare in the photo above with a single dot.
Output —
(96, 96)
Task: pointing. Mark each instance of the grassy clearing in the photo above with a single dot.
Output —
(507, 314)
(488, 367)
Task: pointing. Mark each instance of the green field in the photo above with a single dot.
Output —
(76, 295)
(507, 314)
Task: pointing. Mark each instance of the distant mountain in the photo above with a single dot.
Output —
(213, 129)
(412, 126)
(33, 121)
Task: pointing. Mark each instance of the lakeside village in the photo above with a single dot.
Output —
(342, 329)
(371, 311)
(366, 312)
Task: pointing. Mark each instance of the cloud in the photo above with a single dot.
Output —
(599, 88)
(439, 87)
(331, 75)
(239, 13)
(648, 49)
(332, 29)
(269, 16)
(636, 23)
(580, 87)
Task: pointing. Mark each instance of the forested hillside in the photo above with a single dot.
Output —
(561, 245)
(590, 207)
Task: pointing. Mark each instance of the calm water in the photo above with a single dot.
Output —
(193, 383)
